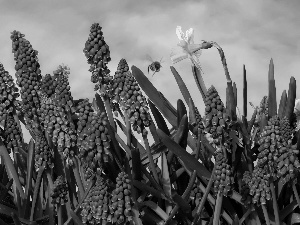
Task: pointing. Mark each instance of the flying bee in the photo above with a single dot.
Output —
(155, 65)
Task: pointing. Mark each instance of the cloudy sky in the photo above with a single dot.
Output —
(250, 33)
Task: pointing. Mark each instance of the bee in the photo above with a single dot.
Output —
(155, 65)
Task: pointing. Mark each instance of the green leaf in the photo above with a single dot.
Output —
(230, 101)
(133, 139)
(199, 81)
(36, 191)
(182, 132)
(147, 188)
(192, 113)
(282, 104)
(291, 99)
(166, 183)
(156, 209)
(288, 210)
(234, 94)
(6, 210)
(184, 90)
(75, 218)
(28, 187)
(245, 102)
(181, 111)
(136, 164)
(11, 171)
(154, 95)
(187, 158)
(272, 105)
(15, 218)
(159, 119)
(294, 218)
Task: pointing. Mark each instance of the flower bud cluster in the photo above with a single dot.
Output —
(84, 111)
(285, 129)
(43, 153)
(28, 70)
(196, 193)
(199, 123)
(95, 208)
(59, 127)
(12, 134)
(223, 179)
(48, 85)
(59, 193)
(215, 120)
(94, 144)
(245, 191)
(260, 185)
(98, 55)
(127, 93)
(8, 94)
(121, 201)
(270, 141)
(287, 163)
(264, 106)
(62, 89)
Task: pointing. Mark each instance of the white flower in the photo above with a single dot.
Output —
(186, 48)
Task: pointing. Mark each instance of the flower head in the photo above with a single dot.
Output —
(186, 48)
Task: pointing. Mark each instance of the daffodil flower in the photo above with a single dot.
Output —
(297, 112)
(186, 48)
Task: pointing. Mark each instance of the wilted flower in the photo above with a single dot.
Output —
(186, 48)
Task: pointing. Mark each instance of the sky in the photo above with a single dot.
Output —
(250, 33)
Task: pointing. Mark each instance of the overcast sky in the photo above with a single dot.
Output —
(250, 33)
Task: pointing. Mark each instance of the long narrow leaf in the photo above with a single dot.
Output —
(156, 209)
(187, 158)
(282, 104)
(11, 171)
(291, 99)
(153, 94)
(184, 90)
(245, 101)
(28, 188)
(181, 111)
(166, 183)
(160, 121)
(75, 218)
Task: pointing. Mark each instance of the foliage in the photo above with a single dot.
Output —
(77, 169)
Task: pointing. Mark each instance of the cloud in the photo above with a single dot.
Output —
(250, 33)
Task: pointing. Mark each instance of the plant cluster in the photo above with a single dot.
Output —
(77, 169)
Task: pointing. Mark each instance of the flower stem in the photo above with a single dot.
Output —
(203, 199)
(265, 214)
(275, 206)
(223, 59)
(128, 129)
(59, 215)
(151, 162)
(109, 112)
(36, 189)
(11, 171)
(78, 178)
(247, 213)
(218, 208)
(296, 194)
